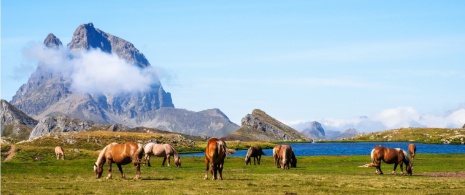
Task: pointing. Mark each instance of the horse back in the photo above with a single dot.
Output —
(124, 153)
(215, 151)
(412, 148)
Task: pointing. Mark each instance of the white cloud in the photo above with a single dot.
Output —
(94, 71)
(392, 118)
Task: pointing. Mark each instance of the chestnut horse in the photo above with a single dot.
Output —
(412, 149)
(59, 152)
(283, 156)
(215, 153)
(255, 152)
(394, 156)
(121, 154)
(161, 150)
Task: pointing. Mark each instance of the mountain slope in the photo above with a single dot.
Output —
(259, 126)
(51, 90)
(15, 123)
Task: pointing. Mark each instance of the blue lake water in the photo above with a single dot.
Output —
(350, 149)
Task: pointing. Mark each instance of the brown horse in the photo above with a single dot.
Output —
(412, 149)
(283, 155)
(59, 152)
(390, 156)
(215, 153)
(121, 154)
(255, 152)
(161, 150)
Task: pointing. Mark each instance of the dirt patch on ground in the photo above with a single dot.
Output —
(460, 174)
(11, 153)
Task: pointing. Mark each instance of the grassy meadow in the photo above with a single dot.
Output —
(433, 174)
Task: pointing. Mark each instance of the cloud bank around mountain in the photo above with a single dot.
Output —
(392, 118)
(93, 71)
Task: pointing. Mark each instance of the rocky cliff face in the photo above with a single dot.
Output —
(315, 131)
(50, 93)
(15, 123)
(262, 127)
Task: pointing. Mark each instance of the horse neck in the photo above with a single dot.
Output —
(101, 157)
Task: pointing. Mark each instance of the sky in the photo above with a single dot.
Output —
(347, 64)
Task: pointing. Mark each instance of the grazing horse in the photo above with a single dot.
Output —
(59, 152)
(215, 153)
(121, 154)
(412, 149)
(161, 150)
(394, 156)
(255, 152)
(283, 156)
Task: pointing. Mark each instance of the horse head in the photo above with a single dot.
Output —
(98, 171)
(247, 160)
(177, 161)
(409, 169)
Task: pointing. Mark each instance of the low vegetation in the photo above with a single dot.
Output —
(433, 174)
(422, 135)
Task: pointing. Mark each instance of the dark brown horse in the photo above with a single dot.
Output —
(394, 156)
(121, 154)
(255, 152)
(412, 149)
(215, 153)
(283, 155)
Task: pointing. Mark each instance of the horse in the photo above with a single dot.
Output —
(255, 152)
(215, 152)
(59, 152)
(283, 155)
(394, 156)
(121, 154)
(161, 150)
(412, 149)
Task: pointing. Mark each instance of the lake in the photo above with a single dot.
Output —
(359, 148)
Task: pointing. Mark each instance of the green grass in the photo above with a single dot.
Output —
(433, 174)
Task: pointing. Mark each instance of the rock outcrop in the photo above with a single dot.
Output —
(15, 123)
(259, 126)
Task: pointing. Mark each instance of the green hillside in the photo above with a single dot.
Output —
(423, 135)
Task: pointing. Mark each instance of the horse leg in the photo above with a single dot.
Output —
(137, 165)
(109, 169)
(254, 160)
(58, 156)
(206, 169)
(169, 163)
(164, 159)
(121, 171)
(258, 159)
(214, 171)
(221, 170)
(395, 167)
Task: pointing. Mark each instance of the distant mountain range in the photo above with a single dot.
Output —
(316, 131)
(50, 93)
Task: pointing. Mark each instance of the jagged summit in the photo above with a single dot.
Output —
(259, 126)
(86, 37)
(51, 93)
(51, 41)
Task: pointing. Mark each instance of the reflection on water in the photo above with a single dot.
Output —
(361, 148)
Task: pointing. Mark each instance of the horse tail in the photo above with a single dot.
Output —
(139, 152)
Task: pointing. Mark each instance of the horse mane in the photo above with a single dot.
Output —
(101, 157)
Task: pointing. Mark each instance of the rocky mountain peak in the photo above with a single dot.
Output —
(315, 130)
(51, 41)
(86, 37)
(260, 126)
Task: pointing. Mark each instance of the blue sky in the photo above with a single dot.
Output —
(299, 61)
